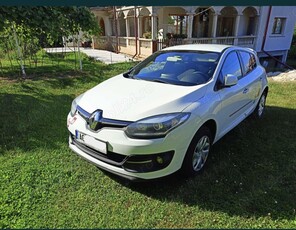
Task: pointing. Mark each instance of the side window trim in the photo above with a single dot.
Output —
(241, 64)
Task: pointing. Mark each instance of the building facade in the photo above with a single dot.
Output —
(142, 30)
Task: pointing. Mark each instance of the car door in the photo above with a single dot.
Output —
(234, 99)
(252, 78)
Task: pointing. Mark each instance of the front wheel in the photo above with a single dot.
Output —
(198, 152)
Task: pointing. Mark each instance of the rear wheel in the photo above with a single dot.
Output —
(259, 110)
(198, 152)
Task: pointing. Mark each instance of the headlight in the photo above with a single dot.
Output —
(74, 104)
(156, 126)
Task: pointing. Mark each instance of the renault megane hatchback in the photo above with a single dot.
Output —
(164, 114)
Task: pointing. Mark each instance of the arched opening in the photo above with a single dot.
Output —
(145, 23)
(226, 22)
(249, 21)
(122, 26)
(102, 26)
(131, 22)
(173, 21)
(112, 23)
(201, 25)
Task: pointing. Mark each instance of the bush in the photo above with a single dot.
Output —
(292, 52)
(171, 35)
(147, 35)
(180, 36)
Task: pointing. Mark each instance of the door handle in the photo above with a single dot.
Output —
(246, 90)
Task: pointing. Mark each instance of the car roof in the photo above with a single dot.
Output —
(200, 47)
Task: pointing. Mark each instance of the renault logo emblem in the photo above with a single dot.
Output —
(94, 120)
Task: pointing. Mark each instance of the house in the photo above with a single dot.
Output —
(142, 30)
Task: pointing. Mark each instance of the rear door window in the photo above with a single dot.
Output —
(248, 61)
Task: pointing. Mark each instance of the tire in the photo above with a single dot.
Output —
(197, 152)
(259, 110)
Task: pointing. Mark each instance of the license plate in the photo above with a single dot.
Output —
(92, 142)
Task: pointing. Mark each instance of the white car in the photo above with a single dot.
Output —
(164, 114)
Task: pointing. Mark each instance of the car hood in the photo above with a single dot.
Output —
(130, 99)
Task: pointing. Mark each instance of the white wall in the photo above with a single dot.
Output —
(276, 42)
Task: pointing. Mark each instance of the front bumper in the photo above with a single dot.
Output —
(110, 161)
(132, 158)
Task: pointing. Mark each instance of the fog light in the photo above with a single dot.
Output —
(159, 160)
(148, 163)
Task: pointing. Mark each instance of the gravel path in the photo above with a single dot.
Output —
(282, 76)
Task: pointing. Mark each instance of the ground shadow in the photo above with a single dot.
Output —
(251, 172)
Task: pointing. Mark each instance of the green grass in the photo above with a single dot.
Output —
(248, 183)
(45, 65)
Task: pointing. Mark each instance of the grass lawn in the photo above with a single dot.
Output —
(250, 181)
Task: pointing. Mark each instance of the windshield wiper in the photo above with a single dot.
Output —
(127, 75)
(159, 80)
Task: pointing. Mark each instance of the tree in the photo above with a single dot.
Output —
(44, 24)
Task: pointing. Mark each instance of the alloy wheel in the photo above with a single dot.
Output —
(201, 153)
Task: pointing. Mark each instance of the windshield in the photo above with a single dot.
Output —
(177, 67)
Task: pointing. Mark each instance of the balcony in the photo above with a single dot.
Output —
(148, 46)
(244, 41)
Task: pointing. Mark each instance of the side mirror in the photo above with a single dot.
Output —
(230, 80)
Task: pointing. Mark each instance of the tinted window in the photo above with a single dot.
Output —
(177, 67)
(232, 66)
(249, 61)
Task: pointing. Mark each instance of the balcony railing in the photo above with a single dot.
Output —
(122, 41)
(246, 41)
(146, 44)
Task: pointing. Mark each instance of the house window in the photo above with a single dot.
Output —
(177, 23)
(278, 25)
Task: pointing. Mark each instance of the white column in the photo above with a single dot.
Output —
(127, 30)
(214, 25)
(127, 27)
(153, 26)
(189, 25)
(137, 33)
(257, 17)
(237, 20)
(139, 22)
(118, 26)
(108, 26)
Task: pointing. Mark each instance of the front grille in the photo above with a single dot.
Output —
(104, 122)
(110, 158)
